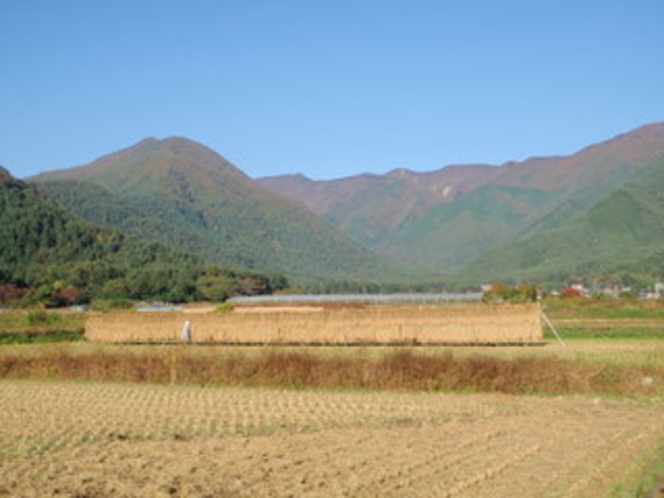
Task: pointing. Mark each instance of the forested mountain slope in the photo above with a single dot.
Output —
(46, 248)
(182, 194)
(448, 218)
(48, 255)
(619, 239)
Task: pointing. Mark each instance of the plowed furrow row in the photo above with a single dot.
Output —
(69, 439)
(430, 457)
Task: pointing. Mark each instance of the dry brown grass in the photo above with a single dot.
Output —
(403, 369)
(457, 324)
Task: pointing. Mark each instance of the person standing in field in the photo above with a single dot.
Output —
(186, 332)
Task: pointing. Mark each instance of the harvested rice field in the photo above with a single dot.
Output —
(454, 324)
(125, 440)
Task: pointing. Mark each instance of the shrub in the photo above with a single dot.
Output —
(41, 317)
(104, 305)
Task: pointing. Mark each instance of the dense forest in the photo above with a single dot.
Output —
(50, 256)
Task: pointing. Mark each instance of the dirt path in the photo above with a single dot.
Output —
(77, 439)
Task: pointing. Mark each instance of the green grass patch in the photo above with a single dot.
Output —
(40, 320)
(41, 337)
(606, 319)
(603, 308)
(38, 326)
(625, 314)
(604, 333)
(649, 480)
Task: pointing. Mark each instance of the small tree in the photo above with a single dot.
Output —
(11, 292)
(571, 293)
(67, 296)
(216, 288)
(500, 292)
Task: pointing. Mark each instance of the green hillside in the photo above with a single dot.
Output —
(446, 219)
(181, 194)
(451, 235)
(49, 255)
(617, 240)
(590, 215)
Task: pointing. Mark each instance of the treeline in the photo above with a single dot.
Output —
(378, 287)
(50, 256)
(83, 282)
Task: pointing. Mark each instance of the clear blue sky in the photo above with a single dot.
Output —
(326, 88)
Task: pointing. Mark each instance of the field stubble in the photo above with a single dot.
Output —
(91, 439)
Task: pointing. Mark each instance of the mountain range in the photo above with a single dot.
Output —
(594, 214)
(480, 222)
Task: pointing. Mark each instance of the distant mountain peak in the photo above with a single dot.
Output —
(147, 160)
(196, 154)
(297, 178)
(145, 144)
(178, 140)
(5, 174)
(6, 177)
(402, 173)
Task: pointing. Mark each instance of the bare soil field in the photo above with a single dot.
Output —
(123, 440)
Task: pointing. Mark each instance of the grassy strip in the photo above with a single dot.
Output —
(32, 321)
(652, 480)
(610, 309)
(36, 337)
(585, 333)
(648, 481)
(403, 369)
(40, 326)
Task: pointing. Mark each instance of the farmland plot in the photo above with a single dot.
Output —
(88, 439)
